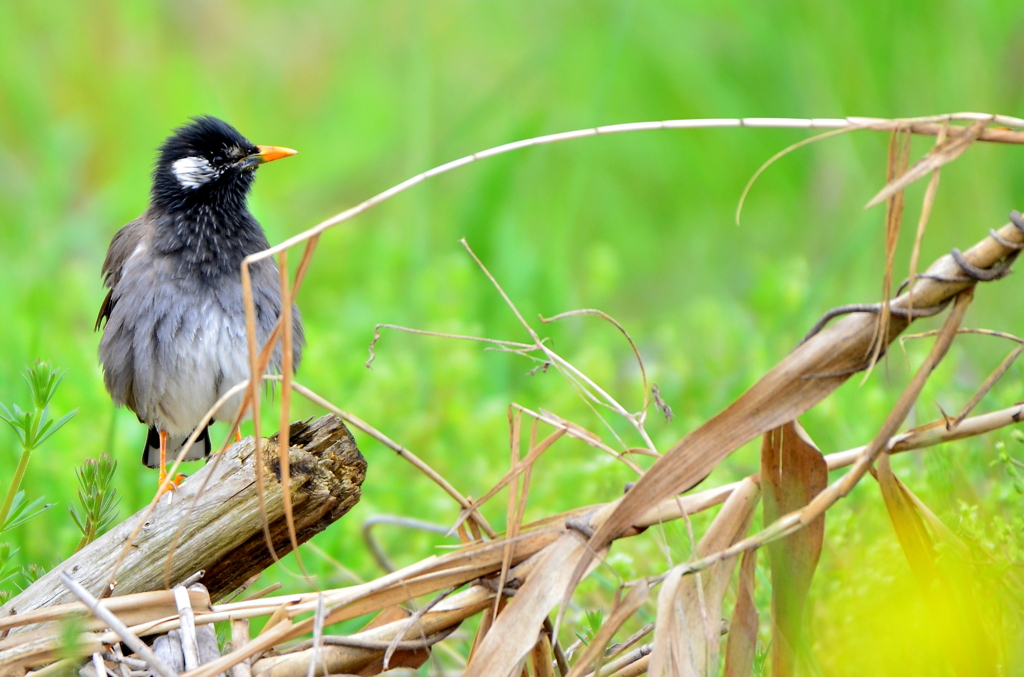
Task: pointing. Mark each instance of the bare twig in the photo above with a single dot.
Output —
(187, 632)
(398, 449)
(115, 624)
(615, 323)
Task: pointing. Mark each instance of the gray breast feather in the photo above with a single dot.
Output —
(172, 346)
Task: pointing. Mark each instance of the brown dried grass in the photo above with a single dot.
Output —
(517, 580)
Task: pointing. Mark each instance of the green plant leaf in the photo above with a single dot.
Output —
(42, 381)
(96, 496)
(22, 511)
(48, 430)
(32, 573)
(79, 520)
(6, 554)
(20, 421)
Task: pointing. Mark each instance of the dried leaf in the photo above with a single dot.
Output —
(949, 595)
(540, 657)
(941, 154)
(926, 211)
(793, 472)
(741, 646)
(899, 154)
(803, 378)
(910, 530)
(689, 623)
(507, 644)
(673, 655)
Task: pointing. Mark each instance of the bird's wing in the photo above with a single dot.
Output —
(125, 243)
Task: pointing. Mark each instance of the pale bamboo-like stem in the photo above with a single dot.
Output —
(920, 125)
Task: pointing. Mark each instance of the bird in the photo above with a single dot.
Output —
(174, 329)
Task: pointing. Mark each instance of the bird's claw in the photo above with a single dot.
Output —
(167, 483)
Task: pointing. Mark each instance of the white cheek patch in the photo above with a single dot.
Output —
(193, 172)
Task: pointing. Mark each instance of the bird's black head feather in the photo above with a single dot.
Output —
(198, 200)
(198, 164)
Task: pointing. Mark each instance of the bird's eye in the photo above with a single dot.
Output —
(218, 159)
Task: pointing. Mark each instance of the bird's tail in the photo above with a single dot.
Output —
(151, 452)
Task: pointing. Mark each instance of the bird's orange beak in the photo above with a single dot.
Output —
(271, 153)
(266, 154)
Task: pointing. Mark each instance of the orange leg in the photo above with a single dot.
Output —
(162, 484)
(238, 435)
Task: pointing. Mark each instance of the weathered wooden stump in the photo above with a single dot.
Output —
(223, 529)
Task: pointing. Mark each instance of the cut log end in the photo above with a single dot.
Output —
(326, 471)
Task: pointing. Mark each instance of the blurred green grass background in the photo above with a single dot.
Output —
(639, 225)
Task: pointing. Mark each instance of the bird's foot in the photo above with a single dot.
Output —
(167, 483)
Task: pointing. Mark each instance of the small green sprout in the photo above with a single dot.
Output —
(33, 426)
(97, 497)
